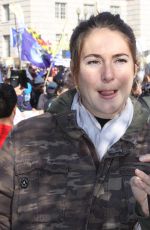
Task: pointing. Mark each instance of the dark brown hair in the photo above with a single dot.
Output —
(102, 20)
(8, 100)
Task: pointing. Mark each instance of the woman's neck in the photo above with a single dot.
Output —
(102, 121)
(6, 121)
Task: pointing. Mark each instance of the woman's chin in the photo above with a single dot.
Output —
(109, 112)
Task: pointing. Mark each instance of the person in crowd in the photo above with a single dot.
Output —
(146, 85)
(27, 68)
(27, 96)
(46, 98)
(24, 110)
(19, 81)
(8, 102)
(37, 90)
(32, 71)
(85, 165)
(58, 78)
(137, 92)
(136, 89)
(68, 82)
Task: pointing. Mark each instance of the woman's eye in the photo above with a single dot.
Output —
(93, 62)
(122, 60)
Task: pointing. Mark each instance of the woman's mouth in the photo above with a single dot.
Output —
(108, 94)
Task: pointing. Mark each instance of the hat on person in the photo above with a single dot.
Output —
(14, 80)
(51, 88)
(38, 80)
(18, 77)
(52, 85)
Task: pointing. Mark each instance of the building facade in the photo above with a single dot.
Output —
(55, 19)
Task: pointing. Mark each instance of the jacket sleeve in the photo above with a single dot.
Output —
(6, 185)
(143, 221)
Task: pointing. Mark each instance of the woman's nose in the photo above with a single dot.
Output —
(107, 73)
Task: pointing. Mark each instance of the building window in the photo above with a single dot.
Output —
(6, 46)
(115, 9)
(88, 10)
(60, 10)
(5, 13)
(58, 38)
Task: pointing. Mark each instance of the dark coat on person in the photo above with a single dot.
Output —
(51, 178)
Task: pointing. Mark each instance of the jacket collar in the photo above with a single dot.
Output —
(62, 104)
(61, 108)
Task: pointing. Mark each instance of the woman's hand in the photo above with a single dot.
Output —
(140, 185)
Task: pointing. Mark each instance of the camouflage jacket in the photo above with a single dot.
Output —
(51, 179)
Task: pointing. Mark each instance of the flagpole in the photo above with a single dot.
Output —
(18, 48)
(57, 49)
(47, 75)
(15, 10)
(62, 34)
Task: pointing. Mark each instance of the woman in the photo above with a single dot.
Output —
(84, 166)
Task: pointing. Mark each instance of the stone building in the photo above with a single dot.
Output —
(56, 18)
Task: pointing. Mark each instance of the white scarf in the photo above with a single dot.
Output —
(113, 130)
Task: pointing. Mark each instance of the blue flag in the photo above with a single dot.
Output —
(15, 37)
(31, 51)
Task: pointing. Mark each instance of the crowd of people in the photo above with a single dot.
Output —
(36, 88)
(84, 163)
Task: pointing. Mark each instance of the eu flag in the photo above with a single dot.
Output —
(15, 37)
(31, 51)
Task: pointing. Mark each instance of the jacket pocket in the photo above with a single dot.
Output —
(40, 191)
(127, 171)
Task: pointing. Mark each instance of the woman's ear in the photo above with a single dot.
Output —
(136, 69)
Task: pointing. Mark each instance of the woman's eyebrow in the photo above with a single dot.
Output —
(93, 55)
(120, 55)
(100, 57)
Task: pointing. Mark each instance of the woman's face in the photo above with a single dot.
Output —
(106, 72)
